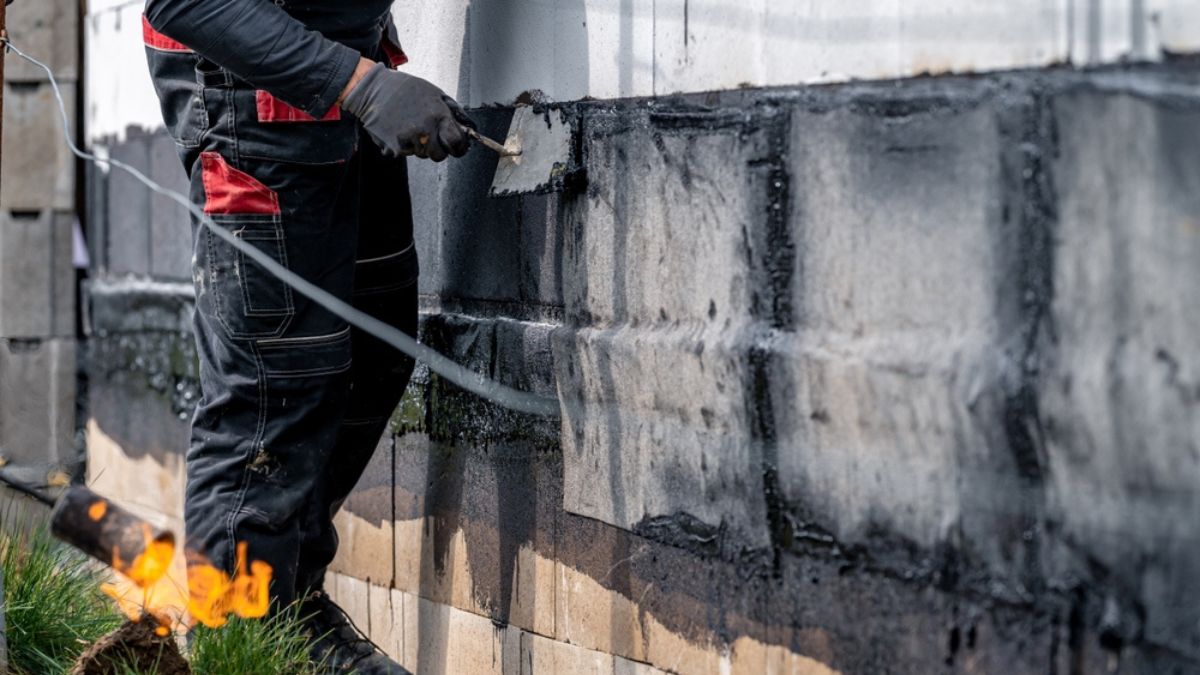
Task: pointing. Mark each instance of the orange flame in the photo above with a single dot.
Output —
(151, 585)
(97, 510)
(214, 595)
(151, 564)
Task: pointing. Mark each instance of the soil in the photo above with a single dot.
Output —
(136, 644)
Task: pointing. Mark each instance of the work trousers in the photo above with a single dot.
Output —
(294, 400)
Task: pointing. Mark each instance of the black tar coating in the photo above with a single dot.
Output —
(853, 606)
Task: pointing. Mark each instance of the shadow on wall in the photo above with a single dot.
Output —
(483, 259)
(511, 47)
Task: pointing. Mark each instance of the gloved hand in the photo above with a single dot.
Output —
(407, 115)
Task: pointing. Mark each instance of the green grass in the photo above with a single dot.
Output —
(274, 646)
(54, 608)
(53, 603)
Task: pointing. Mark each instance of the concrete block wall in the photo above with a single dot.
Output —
(853, 378)
(869, 377)
(37, 214)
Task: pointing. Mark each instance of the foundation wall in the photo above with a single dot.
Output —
(864, 377)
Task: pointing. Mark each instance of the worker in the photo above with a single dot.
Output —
(294, 125)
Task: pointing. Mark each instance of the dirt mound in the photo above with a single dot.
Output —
(135, 644)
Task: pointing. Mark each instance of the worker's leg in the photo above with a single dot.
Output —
(274, 367)
(385, 286)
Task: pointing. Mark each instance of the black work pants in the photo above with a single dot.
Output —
(294, 401)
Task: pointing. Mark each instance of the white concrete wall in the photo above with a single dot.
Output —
(491, 50)
(488, 51)
(117, 81)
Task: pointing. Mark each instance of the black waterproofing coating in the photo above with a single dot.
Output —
(302, 51)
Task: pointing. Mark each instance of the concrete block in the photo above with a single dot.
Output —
(37, 278)
(38, 168)
(873, 399)
(541, 233)
(474, 530)
(48, 30)
(660, 302)
(386, 607)
(37, 401)
(364, 523)
(148, 234)
(142, 390)
(441, 640)
(1120, 395)
(590, 615)
(604, 50)
(129, 218)
(543, 655)
(480, 247)
(626, 667)
(170, 223)
(123, 305)
(138, 479)
(354, 596)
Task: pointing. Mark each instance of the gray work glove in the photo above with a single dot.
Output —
(407, 115)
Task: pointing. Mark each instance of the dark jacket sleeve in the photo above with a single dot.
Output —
(262, 44)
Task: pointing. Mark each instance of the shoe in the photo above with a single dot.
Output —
(338, 646)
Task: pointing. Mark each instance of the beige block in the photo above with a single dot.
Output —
(364, 523)
(750, 657)
(352, 595)
(442, 640)
(533, 589)
(364, 548)
(386, 625)
(542, 655)
(673, 652)
(408, 550)
(589, 615)
(142, 482)
(531, 606)
(626, 667)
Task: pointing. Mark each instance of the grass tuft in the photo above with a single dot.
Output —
(53, 603)
(272, 646)
(54, 609)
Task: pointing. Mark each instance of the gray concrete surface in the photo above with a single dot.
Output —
(49, 31)
(37, 279)
(901, 375)
(37, 401)
(38, 167)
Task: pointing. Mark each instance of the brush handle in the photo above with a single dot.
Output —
(503, 151)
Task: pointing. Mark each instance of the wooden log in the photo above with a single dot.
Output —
(112, 535)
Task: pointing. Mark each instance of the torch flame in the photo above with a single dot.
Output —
(97, 510)
(150, 585)
(214, 595)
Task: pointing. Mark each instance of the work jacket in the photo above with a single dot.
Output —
(302, 51)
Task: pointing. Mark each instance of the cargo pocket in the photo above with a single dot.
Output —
(273, 130)
(248, 300)
(173, 70)
(311, 356)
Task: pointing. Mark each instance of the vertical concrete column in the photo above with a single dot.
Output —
(37, 276)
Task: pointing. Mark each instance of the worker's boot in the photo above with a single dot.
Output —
(338, 646)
